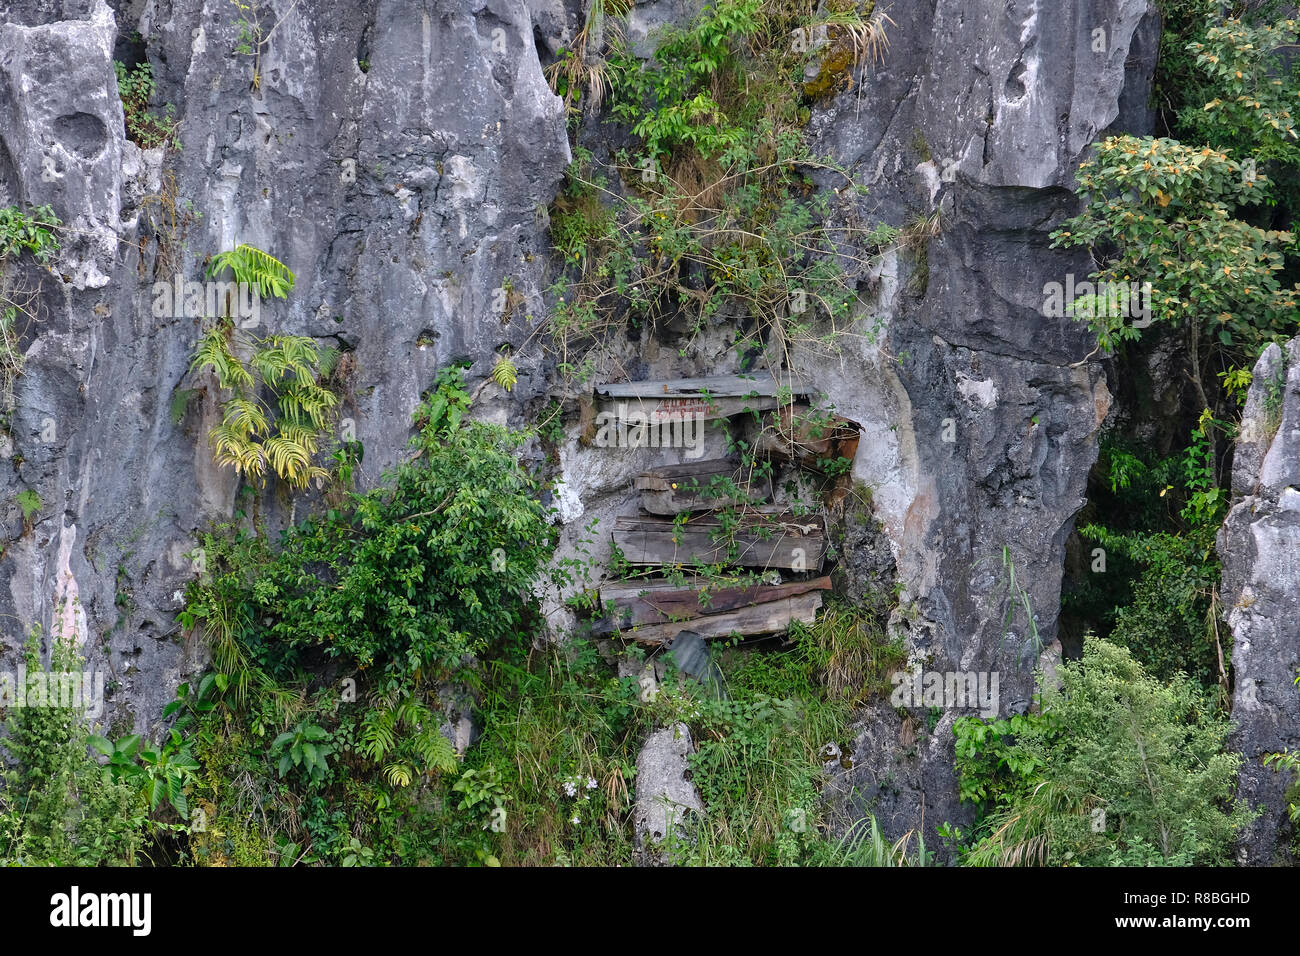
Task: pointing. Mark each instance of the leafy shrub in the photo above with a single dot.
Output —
(397, 588)
(715, 207)
(143, 127)
(1119, 769)
(56, 807)
(412, 576)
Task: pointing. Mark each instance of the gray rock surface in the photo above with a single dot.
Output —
(1260, 550)
(981, 415)
(402, 197)
(664, 795)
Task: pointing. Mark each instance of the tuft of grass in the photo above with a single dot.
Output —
(854, 657)
(864, 845)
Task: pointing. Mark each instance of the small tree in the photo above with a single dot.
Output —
(1128, 771)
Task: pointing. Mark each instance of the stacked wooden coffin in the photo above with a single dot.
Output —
(684, 514)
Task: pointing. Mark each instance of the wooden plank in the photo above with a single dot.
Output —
(667, 410)
(676, 488)
(696, 399)
(778, 519)
(637, 604)
(660, 479)
(769, 618)
(760, 384)
(780, 542)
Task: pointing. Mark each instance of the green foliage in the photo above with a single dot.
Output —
(505, 374)
(1250, 114)
(253, 435)
(1166, 210)
(853, 657)
(306, 747)
(863, 844)
(401, 587)
(992, 768)
(258, 269)
(32, 231)
(56, 808)
(413, 576)
(758, 760)
(29, 503)
(1156, 594)
(160, 774)
(446, 404)
(1120, 769)
(715, 210)
(1288, 761)
(400, 733)
(684, 112)
(143, 127)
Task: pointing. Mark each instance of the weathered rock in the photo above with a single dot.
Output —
(664, 795)
(980, 414)
(403, 195)
(1259, 546)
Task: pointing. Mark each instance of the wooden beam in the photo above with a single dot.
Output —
(760, 384)
(668, 490)
(786, 542)
(769, 618)
(715, 397)
(660, 602)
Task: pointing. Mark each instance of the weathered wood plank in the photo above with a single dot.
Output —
(647, 602)
(691, 400)
(782, 542)
(777, 519)
(769, 618)
(676, 488)
(759, 384)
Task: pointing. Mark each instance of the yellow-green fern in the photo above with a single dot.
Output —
(261, 270)
(504, 373)
(251, 435)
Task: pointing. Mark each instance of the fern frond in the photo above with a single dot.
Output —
(304, 436)
(398, 775)
(303, 403)
(289, 458)
(231, 447)
(436, 751)
(246, 417)
(328, 362)
(267, 274)
(504, 373)
(378, 734)
(214, 351)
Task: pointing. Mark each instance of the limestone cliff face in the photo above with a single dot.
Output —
(399, 156)
(403, 195)
(1260, 549)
